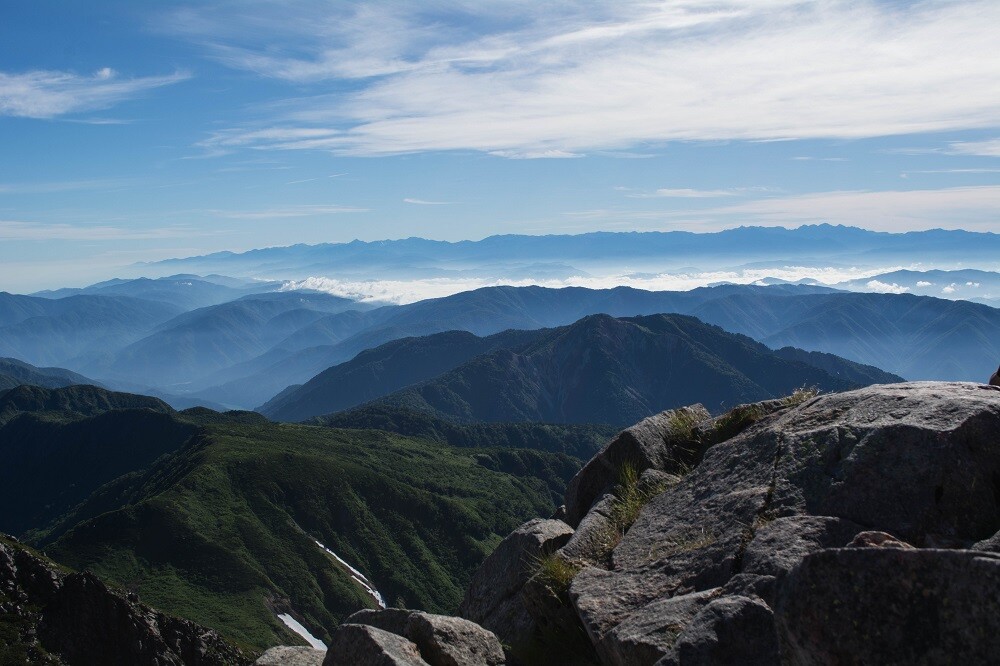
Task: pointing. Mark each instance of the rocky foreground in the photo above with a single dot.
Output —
(51, 616)
(857, 527)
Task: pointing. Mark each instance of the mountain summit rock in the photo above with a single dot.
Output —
(855, 527)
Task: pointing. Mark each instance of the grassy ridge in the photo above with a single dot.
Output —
(222, 531)
(578, 440)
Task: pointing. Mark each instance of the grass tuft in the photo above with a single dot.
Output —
(630, 496)
(800, 395)
(556, 573)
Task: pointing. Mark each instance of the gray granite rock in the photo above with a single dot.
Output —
(916, 460)
(441, 640)
(655, 442)
(650, 634)
(729, 631)
(393, 620)
(364, 645)
(452, 641)
(891, 606)
(493, 598)
(291, 655)
(595, 536)
(875, 539)
(779, 545)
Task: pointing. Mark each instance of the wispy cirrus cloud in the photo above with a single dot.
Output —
(19, 230)
(522, 79)
(425, 202)
(288, 212)
(48, 187)
(682, 193)
(990, 148)
(50, 94)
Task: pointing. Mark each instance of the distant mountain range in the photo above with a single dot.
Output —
(210, 339)
(597, 370)
(15, 373)
(514, 256)
(244, 352)
(616, 371)
(914, 337)
(183, 291)
(67, 331)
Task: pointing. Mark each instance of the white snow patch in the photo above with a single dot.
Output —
(295, 626)
(359, 577)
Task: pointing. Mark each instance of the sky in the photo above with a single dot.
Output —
(136, 131)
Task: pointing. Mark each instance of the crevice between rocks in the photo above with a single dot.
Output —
(761, 515)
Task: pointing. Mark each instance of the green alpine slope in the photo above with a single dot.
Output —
(224, 531)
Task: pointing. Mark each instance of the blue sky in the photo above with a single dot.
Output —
(137, 131)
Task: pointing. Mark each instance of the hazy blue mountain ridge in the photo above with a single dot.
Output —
(493, 256)
(615, 371)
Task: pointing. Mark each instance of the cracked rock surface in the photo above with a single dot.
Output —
(917, 461)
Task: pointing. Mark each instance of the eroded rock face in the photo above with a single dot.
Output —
(657, 442)
(357, 644)
(891, 606)
(828, 532)
(493, 598)
(918, 461)
(452, 641)
(729, 630)
(289, 655)
(438, 639)
(75, 618)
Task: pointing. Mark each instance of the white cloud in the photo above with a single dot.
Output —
(17, 230)
(409, 291)
(562, 78)
(424, 202)
(686, 193)
(990, 148)
(886, 288)
(291, 211)
(950, 289)
(925, 283)
(48, 94)
(47, 187)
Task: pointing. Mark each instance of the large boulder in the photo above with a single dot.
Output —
(493, 598)
(891, 606)
(364, 645)
(662, 441)
(439, 639)
(729, 630)
(779, 545)
(918, 461)
(645, 637)
(291, 655)
(453, 641)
